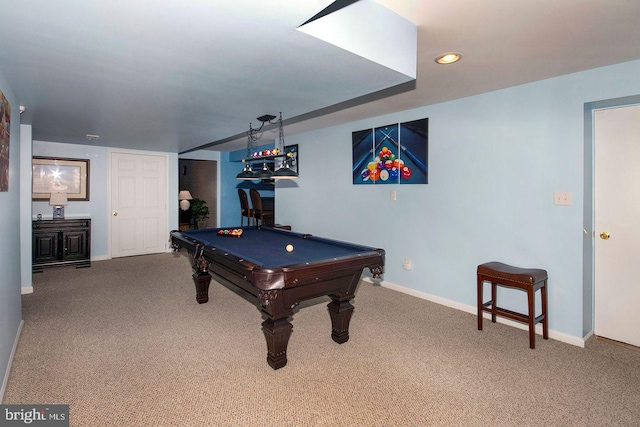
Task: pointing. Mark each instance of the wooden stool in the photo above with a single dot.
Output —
(527, 279)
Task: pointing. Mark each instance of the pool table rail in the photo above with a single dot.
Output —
(221, 261)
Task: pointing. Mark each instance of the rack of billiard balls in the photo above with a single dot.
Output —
(386, 167)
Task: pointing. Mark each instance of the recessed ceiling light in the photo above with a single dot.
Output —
(91, 137)
(448, 58)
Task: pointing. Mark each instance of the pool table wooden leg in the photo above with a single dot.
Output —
(277, 333)
(201, 277)
(202, 281)
(340, 312)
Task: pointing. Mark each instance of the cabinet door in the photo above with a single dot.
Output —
(45, 247)
(75, 245)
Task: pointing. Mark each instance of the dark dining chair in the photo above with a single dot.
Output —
(245, 210)
(260, 214)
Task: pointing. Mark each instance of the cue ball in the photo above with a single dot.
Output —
(289, 248)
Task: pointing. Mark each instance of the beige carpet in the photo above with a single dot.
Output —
(125, 344)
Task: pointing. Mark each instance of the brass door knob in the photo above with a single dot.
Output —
(115, 214)
(604, 235)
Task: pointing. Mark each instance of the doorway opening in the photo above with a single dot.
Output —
(200, 177)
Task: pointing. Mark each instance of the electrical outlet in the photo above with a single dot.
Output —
(562, 198)
(393, 195)
(407, 264)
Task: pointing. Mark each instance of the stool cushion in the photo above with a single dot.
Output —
(498, 270)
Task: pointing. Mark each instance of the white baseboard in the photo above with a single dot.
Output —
(5, 380)
(558, 336)
(26, 290)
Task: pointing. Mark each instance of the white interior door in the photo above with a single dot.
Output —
(617, 211)
(138, 204)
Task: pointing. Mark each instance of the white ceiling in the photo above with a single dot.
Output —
(170, 75)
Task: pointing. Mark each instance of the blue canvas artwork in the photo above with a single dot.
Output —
(391, 154)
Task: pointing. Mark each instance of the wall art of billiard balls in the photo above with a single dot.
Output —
(386, 167)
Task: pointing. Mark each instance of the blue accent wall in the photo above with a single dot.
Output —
(230, 166)
(229, 203)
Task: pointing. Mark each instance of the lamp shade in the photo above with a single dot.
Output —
(184, 195)
(247, 176)
(284, 173)
(58, 199)
(247, 173)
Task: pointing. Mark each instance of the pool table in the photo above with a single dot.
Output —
(259, 263)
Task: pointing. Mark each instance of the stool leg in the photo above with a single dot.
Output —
(480, 287)
(532, 316)
(494, 296)
(545, 324)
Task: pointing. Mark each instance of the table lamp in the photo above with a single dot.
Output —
(184, 196)
(58, 201)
